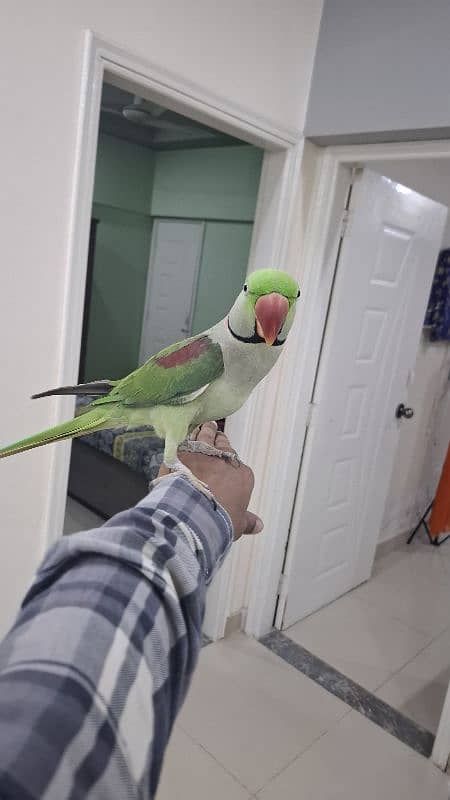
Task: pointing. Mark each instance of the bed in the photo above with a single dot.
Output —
(110, 470)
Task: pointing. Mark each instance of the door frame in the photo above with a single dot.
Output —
(322, 228)
(273, 226)
(156, 221)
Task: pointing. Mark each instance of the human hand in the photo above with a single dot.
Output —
(231, 483)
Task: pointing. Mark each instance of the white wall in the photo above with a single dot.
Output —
(258, 54)
(423, 439)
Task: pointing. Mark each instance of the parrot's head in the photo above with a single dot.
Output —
(264, 311)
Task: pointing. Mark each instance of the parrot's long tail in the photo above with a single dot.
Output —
(93, 420)
(94, 388)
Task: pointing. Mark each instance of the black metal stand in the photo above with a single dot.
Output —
(422, 521)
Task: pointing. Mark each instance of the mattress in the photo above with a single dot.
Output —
(139, 448)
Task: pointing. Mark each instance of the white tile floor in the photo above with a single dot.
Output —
(254, 727)
(392, 634)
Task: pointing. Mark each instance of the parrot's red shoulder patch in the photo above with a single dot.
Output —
(184, 354)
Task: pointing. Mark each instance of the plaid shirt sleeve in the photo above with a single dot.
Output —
(98, 663)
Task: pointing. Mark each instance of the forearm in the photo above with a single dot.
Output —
(98, 663)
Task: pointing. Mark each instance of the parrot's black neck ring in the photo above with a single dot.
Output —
(255, 339)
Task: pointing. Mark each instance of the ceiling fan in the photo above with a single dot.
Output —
(150, 115)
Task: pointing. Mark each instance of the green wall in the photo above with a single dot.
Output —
(133, 184)
(122, 190)
(209, 183)
(124, 174)
(222, 271)
(118, 292)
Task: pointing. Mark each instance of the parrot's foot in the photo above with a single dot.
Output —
(178, 468)
(194, 446)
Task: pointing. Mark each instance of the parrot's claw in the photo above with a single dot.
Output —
(194, 446)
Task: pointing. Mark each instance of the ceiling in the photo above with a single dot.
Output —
(141, 122)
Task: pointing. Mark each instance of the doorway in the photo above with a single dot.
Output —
(168, 193)
(270, 245)
(397, 623)
(384, 269)
(324, 223)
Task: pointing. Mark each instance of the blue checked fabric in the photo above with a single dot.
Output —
(98, 663)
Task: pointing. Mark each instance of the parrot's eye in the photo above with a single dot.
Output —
(298, 293)
(245, 287)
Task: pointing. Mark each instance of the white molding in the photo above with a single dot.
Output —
(292, 394)
(187, 97)
(75, 272)
(218, 602)
(360, 154)
(274, 216)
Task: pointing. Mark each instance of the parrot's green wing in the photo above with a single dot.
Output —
(175, 375)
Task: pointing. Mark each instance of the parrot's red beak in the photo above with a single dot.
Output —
(270, 311)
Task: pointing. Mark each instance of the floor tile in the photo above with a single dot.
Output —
(363, 643)
(252, 711)
(413, 595)
(189, 771)
(418, 560)
(356, 760)
(352, 693)
(79, 518)
(419, 689)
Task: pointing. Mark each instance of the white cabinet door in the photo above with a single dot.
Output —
(171, 287)
(382, 283)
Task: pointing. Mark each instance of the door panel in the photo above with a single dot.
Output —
(174, 263)
(385, 270)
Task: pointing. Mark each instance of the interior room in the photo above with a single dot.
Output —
(171, 228)
(157, 155)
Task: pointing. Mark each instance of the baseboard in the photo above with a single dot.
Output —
(384, 548)
(234, 623)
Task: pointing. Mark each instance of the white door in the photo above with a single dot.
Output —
(386, 266)
(172, 282)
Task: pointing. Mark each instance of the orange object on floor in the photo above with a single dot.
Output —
(440, 515)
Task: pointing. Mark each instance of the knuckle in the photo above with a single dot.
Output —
(210, 424)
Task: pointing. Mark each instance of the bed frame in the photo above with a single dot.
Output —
(102, 483)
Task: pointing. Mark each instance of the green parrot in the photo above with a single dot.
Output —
(206, 377)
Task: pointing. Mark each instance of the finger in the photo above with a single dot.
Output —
(207, 433)
(195, 433)
(254, 524)
(222, 442)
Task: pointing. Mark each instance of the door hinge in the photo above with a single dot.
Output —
(344, 222)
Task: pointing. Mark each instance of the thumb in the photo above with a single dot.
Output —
(253, 524)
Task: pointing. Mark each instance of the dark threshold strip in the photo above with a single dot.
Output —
(358, 698)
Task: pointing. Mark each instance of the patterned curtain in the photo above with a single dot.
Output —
(437, 318)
